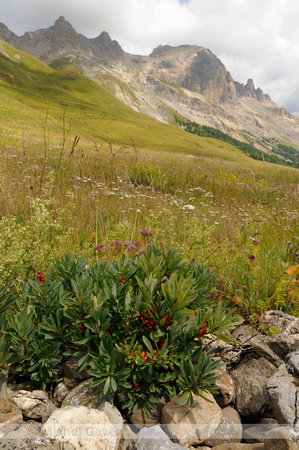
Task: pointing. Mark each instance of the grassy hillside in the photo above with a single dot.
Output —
(236, 215)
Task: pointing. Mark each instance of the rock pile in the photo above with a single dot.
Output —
(257, 406)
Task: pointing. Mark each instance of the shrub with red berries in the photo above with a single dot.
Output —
(40, 277)
(140, 324)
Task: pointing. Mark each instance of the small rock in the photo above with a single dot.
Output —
(153, 438)
(34, 405)
(71, 376)
(127, 437)
(284, 323)
(233, 353)
(293, 363)
(279, 439)
(26, 436)
(256, 433)
(226, 388)
(244, 333)
(260, 345)
(191, 426)
(140, 419)
(114, 416)
(80, 428)
(284, 344)
(85, 395)
(61, 391)
(229, 430)
(10, 415)
(239, 447)
(3, 387)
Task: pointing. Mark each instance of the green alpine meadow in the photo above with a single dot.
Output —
(129, 242)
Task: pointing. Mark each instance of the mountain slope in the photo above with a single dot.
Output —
(39, 101)
(186, 80)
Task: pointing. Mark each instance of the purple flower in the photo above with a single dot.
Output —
(131, 247)
(117, 244)
(137, 243)
(252, 257)
(146, 233)
(232, 251)
(100, 247)
(256, 241)
(142, 251)
(127, 243)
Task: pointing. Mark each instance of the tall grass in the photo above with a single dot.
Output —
(220, 213)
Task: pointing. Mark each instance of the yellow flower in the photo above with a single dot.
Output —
(293, 270)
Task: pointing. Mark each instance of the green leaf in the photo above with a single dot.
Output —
(107, 386)
(148, 344)
(185, 397)
(113, 385)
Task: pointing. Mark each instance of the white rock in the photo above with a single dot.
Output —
(80, 428)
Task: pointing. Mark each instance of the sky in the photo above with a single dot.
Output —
(256, 39)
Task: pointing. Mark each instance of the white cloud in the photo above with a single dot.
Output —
(256, 39)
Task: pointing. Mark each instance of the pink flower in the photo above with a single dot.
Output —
(100, 247)
(146, 233)
(117, 244)
(252, 257)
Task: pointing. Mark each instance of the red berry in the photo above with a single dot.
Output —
(206, 321)
(136, 384)
(175, 352)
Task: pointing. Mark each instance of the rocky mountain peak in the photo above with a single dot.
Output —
(106, 48)
(63, 29)
(248, 90)
(5, 33)
(250, 85)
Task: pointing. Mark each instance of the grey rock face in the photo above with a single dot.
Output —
(282, 394)
(250, 378)
(153, 438)
(293, 363)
